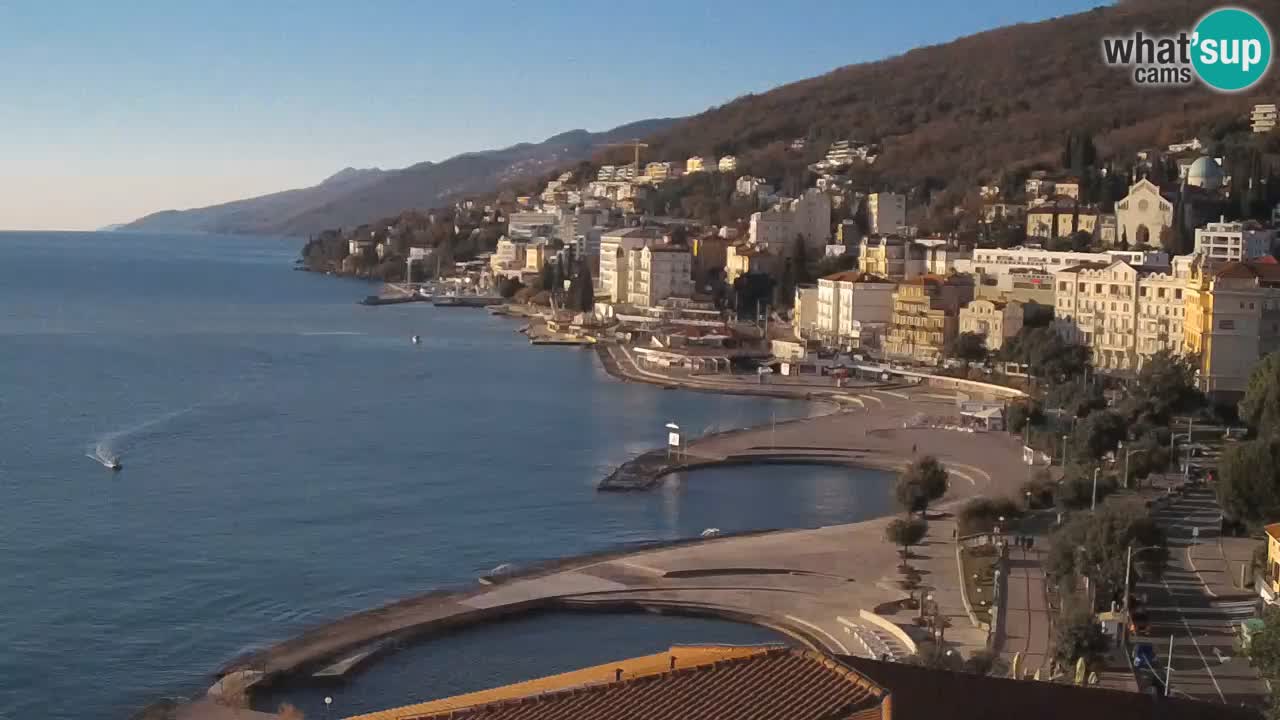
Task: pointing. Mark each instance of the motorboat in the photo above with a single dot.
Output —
(416, 339)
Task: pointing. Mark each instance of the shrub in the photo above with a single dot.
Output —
(981, 514)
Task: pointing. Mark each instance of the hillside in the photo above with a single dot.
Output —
(352, 197)
(948, 115)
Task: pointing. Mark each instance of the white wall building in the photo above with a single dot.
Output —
(528, 225)
(807, 217)
(1226, 242)
(1263, 118)
(804, 316)
(615, 249)
(994, 320)
(849, 302)
(997, 262)
(728, 164)
(507, 257)
(886, 213)
(658, 272)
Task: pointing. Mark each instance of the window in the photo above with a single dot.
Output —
(1159, 292)
(1250, 306)
(1142, 292)
(1177, 294)
(1062, 287)
(1226, 324)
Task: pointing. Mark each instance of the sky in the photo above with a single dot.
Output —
(113, 110)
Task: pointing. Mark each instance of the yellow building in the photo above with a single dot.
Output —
(697, 164)
(1060, 219)
(1232, 320)
(926, 317)
(1269, 588)
(994, 320)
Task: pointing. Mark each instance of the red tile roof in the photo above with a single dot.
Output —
(778, 683)
(854, 276)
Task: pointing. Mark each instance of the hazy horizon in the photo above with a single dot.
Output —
(118, 112)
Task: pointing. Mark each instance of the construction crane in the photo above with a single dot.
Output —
(631, 144)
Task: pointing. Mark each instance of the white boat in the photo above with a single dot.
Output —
(416, 339)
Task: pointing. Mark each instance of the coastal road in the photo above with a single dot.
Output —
(1027, 624)
(1199, 614)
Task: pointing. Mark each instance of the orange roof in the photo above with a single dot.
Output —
(760, 682)
(1274, 531)
(854, 276)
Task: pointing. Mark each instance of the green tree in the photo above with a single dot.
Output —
(1165, 385)
(1077, 635)
(547, 278)
(1248, 481)
(922, 482)
(582, 296)
(905, 533)
(835, 263)
(1264, 647)
(968, 346)
(1097, 435)
(1077, 397)
(1260, 408)
(1096, 545)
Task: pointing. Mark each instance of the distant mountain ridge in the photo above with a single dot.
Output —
(353, 196)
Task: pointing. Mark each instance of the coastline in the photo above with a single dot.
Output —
(607, 580)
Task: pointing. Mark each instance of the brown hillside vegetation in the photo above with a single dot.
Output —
(951, 114)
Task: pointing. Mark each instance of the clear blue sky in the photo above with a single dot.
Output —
(110, 110)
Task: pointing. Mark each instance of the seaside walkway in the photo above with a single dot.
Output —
(816, 585)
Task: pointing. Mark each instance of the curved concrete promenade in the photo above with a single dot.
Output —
(811, 584)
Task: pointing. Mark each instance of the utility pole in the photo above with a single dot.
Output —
(1093, 504)
(1168, 668)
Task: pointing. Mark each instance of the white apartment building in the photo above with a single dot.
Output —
(658, 272)
(659, 171)
(807, 217)
(1143, 214)
(753, 186)
(899, 259)
(1263, 118)
(1226, 242)
(529, 225)
(1124, 313)
(995, 320)
(886, 213)
(728, 164)
(851, 302)
(997, 263)
(615, 250)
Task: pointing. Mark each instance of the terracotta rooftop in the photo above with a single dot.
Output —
(1273, 530)
(760, 683)
(1266, 270)
(917, 693)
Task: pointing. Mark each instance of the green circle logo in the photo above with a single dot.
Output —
(1231, 49)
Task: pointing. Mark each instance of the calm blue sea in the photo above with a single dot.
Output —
(289, 456)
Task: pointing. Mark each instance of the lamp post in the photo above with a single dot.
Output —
(327, 702)
(1093, 503)
(1128, 570)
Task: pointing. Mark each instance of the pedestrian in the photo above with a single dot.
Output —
(913, 449)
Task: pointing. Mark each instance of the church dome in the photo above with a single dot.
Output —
(1205, 173)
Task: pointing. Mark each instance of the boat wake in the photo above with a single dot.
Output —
(108, 448)
(329, 332)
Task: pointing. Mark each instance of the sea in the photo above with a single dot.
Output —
(289, 456)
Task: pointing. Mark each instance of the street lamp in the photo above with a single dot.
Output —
(327, 702)
(1127, 455)
(1093, 503)
(1128, 570)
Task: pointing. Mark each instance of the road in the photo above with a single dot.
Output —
(1198, 614)
(1027, 624)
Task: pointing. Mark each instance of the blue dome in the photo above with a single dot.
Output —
(1205, 173)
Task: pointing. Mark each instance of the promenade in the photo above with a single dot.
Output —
(835, 588)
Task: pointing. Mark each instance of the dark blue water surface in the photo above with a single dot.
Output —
(290, 457)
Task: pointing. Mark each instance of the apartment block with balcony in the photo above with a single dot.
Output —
(1263, 118)
(1234, 242)
(658, 272)
(926, 317)
(849, 303)
(886, 213)
(699, 163)
(615, 250)
(1232, 320)
(1124, 313)
(994, 320)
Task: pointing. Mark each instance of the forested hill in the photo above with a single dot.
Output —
(950, 114)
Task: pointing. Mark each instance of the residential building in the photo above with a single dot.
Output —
(997, 262)
(1233, 242)
(615, 250)
(1107, 233)
(743, 258)
(698, 163)
(851, 302)
(1232, 320)
(1060, 218)
(727, 164)
(804, 314)
(660, 171)
(898, 258)
(989, 192)
(807, 217)
(753, 187)
(1263, 118)
(529, 225)
(1039, 185)
(508, 257)
(1192, 145)
(1004, 212)
(886, 213)
(710, 252)
(925, 317)
(1067, 188)
(995, 320)
(1269, 583)
(1125, 313)
(1023, 285)
(657, 272)
(844, 153)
